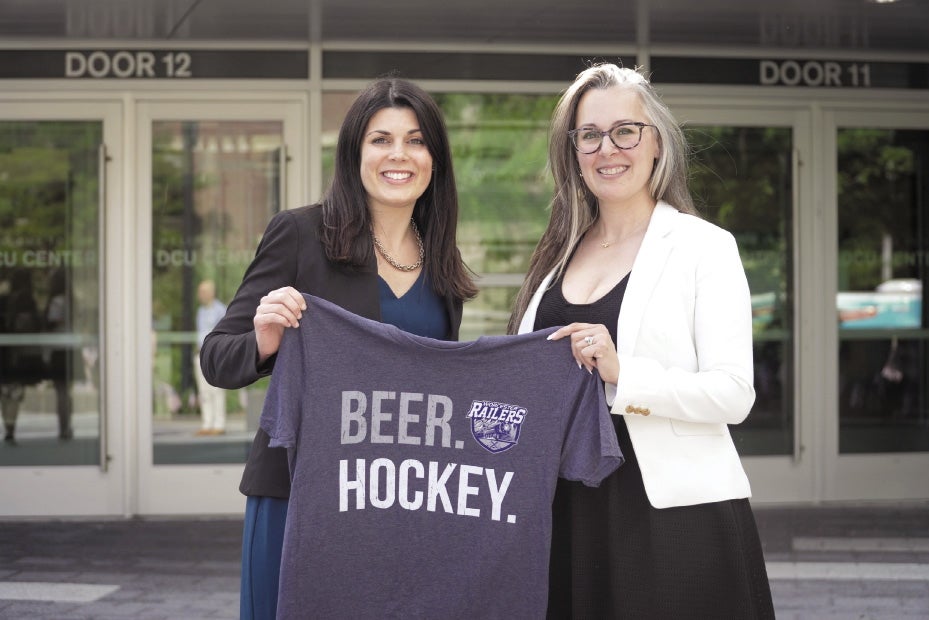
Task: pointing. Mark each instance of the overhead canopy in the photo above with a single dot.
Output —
(866, 25)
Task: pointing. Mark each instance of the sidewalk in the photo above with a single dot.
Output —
(825, 563)
(849, 562)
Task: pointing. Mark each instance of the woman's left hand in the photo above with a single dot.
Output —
(592, 347)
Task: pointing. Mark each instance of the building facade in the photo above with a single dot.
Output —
(144, 146)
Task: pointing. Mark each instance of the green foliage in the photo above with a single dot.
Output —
(741, 178)
(500, 147)
(877, 188)
(49, 214)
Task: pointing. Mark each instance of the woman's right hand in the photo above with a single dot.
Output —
(279, 309)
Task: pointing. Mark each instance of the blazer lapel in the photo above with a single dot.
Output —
(646, 270)
(527, 323)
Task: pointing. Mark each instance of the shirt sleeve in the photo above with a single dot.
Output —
(281, 415)
(590, 451)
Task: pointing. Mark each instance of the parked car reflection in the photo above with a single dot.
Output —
(893, 304)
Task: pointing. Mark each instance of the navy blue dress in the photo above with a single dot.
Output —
(418, 311)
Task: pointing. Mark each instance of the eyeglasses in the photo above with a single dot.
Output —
(625, 136)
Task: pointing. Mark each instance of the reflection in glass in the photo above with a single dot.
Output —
(215, 185)
(49, 296)
(500, 148)
(742, 181)
(883, 179)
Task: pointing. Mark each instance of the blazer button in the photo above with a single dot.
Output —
(646, 412)
(630, 409)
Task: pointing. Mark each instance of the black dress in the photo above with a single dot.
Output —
(615, 556)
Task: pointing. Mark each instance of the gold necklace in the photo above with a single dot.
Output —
(390, 259)
(606, 244)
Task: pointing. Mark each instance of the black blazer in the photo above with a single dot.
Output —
(290, 254)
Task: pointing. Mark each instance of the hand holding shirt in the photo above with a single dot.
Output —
(423, 470)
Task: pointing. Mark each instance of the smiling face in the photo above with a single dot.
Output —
(396, 166)
(616, 176)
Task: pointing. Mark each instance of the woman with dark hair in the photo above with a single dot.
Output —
(656, 300)
(381, 244)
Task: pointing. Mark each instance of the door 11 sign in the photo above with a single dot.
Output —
(814, 73)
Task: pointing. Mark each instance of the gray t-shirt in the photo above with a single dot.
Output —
(423, 471)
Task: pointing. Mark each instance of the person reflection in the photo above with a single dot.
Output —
(212, 399)
(58, 314)
(20, 365)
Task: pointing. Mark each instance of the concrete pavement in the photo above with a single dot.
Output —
(825, 563)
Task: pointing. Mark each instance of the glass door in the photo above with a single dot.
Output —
(57, 178)
(211, 176)
(747, 177)
(879, 436)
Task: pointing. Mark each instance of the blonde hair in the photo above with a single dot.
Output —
(574, 208)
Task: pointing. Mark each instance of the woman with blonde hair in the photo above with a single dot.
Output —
(656, 301)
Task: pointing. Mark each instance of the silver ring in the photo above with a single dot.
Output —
(589, 340)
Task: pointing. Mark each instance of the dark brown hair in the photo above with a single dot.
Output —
(346, 219)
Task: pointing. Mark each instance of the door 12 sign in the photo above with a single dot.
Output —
(174, 64)
(128, 64)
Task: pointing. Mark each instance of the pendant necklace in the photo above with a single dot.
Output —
(606, 244)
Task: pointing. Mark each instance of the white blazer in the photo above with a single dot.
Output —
(685, 359)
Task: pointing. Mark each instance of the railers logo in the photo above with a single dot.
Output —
(495, 425)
